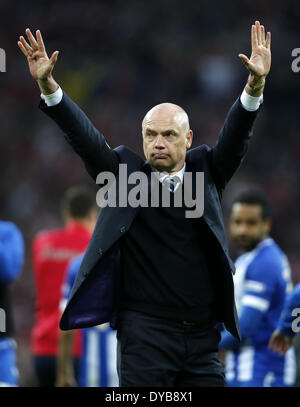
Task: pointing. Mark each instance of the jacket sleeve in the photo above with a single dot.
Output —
(232, 144)
(81, 134)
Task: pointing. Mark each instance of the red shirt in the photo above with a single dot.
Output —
(51, 253)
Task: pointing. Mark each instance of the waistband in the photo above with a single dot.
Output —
(204, 320)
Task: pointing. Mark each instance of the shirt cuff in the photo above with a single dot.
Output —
(54, 98)
(251, 103)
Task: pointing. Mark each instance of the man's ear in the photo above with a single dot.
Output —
(267, 225)
(189, 139)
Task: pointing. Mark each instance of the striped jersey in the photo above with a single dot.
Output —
(99, 343)
(262, 282)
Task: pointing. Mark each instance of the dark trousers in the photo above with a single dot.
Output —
(158, 352)
(45, 369)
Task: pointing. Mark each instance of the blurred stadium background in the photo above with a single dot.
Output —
(118, 59)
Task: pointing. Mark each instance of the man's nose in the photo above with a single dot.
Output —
(159, 142)
(242, 229)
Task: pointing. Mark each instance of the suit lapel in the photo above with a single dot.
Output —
(112, 223)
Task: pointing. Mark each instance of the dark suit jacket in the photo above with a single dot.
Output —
(95, 296)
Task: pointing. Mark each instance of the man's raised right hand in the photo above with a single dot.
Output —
(40, 65)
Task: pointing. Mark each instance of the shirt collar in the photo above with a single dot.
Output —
(165, 175)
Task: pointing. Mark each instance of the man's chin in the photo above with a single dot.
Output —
(161, 165)
(246, 245)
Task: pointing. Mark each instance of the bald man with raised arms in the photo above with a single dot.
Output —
(162, 279)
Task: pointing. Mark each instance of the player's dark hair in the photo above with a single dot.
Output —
(78, 202)
(253, 197)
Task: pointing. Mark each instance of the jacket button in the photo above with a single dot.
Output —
(85, 273)
(122, 229)
(100, 252)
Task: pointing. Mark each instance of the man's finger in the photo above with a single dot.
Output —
(254, 42)
(244, 58)
(54, 56)
(258, 32)
(262, 34)
(248, 64)
(245, 61)
(283, 348)
(271, 342)
(26, 45)
(40, 41)
(268, 40)
(22, 48)
(32, 40)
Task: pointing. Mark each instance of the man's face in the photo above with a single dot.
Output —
(247, 227)
(166, 137)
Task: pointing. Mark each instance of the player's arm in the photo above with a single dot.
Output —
(65, 375)
(232, 144)
(259, 290)
(85, 139)
(249, 320)
(282, 337)
(11, 252)
(280, 343)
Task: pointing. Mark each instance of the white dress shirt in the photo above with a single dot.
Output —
(164, 177)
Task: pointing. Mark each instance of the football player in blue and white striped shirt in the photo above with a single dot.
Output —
(289, 324)
(98, 367)
(262, 281)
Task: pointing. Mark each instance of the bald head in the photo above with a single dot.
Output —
(167, 113)
(166, 137)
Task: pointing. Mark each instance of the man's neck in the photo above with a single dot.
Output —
(82, 222)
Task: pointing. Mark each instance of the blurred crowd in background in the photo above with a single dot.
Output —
(119, 58)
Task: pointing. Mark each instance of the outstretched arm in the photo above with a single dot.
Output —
(232, 144)
(259, 63)
(85, 139)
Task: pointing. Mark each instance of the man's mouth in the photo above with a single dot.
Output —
(242, 240)
(160, 156)
(246, 243)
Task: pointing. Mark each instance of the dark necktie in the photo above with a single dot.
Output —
(172, 184)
